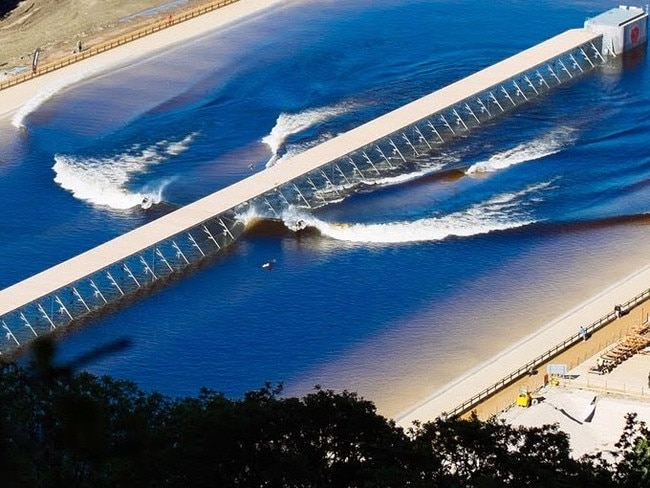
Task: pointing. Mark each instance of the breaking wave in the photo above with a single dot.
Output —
(105, 181)
(548, 144)
(422, 169)
(289, 124)
(333, 194)
(500, 212)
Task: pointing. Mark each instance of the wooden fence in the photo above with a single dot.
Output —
(113, 43)
(524, 370)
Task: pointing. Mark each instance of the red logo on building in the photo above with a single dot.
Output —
(634, 34)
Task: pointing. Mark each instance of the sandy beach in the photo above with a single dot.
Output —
(104, 22)
(530, 347)
(57, 26)
(40, 87)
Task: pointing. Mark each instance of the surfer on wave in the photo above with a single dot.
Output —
(146, 202)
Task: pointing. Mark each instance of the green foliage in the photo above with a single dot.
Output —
(60, 428)
(634, 450)
(492, 453)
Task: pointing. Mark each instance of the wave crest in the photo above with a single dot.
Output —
(104, 181)
(289, 124)
(500, 212)
(550, 143)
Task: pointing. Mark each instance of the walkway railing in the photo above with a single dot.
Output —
(469, 404)
(113, 43)
(400, 142)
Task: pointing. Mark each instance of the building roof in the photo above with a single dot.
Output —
(617, 17)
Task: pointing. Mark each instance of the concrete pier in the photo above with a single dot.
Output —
(133, 262)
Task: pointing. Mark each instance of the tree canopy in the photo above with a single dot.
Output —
(63, 428)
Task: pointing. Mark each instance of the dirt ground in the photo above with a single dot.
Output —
(55, 26)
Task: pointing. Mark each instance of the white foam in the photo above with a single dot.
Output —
(249, 216)
(288, 124)
(550, 143)
(501, 212)
(424, 169)
(176, 148)
(384, 181)
(405, 178)
(291, 150)
(104, 181)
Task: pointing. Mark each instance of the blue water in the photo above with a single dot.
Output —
(403, 287)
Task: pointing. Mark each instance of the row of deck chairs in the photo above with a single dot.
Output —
(636, 341)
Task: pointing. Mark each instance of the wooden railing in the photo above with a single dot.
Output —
(469, 404)
(113, 43)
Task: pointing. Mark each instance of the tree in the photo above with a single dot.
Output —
(62, 428)
(323, 439)
(633, 469)
(458, 452)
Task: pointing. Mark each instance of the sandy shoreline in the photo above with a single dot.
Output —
(38, 89)
(28, 95)
(509, 360)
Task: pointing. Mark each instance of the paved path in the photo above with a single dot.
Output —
(535, 345)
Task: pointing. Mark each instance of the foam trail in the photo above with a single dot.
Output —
(249, 217)
(546, 145)
(288, 124)
(346, 189)
(291, 150)
(104, 181)
(178, 147)
(423, 169)
(501, 212)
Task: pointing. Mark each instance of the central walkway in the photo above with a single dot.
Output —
(388, 145)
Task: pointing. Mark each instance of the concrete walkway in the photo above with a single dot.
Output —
(535, 345)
